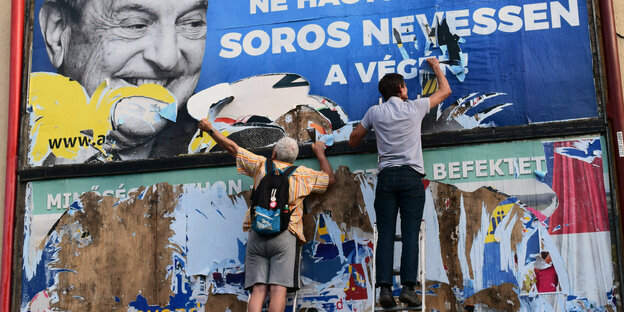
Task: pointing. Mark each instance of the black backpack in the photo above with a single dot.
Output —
(270, 213)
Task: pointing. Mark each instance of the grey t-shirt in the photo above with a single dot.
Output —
(397, 127)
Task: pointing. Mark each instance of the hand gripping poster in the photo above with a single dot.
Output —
(516, 226)
(126, 80)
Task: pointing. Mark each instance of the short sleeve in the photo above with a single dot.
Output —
(367, 120)
(320, 183)
(248, 163)
(422, 105)
(314, 181)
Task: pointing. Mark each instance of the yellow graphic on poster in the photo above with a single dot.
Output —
(497, 216)
(65, 121)
(202, 142)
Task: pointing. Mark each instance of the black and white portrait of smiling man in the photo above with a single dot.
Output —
(131, 43)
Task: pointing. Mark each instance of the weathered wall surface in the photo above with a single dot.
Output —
(121, 248)
(182, 247)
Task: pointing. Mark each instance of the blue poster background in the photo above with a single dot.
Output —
(546, 74)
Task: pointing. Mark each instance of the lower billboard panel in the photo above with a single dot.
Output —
(519, 226)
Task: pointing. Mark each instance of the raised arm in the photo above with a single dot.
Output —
(221, 140)
(444, 90)
(318, 148)
(357, 135)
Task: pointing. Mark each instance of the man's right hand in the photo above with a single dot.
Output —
(433, 62)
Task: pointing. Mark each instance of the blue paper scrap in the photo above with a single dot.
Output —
(170, 112)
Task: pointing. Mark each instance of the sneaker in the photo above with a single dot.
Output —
(386, 300)
(409, 297)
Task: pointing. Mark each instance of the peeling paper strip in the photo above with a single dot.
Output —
(461, 242)
(477, 251)
(339, 135)
(170, 112)
(584, 150)
(434, 265)
(504, 231)
(199, 104)
(399, 42)
(403, 52)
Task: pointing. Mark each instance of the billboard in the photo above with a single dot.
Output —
(114, 81)
(503, 221)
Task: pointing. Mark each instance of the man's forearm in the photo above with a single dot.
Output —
(326, 167)
(443, 84)
(224, 142)
(357, 135)
(444, 89)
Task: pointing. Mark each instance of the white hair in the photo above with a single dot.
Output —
(286, 149)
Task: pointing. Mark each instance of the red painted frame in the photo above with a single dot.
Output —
(15, 90)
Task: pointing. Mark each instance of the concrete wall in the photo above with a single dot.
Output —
(5, 36)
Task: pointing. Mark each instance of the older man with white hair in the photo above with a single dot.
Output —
(271, 261)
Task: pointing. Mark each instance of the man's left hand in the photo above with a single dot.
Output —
(205, 125)
(318, 147)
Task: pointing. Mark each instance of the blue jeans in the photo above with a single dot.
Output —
(398, 189)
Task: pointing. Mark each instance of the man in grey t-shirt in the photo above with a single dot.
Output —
(397, 124)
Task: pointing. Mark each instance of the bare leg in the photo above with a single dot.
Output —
(278, 298)
(258, 293)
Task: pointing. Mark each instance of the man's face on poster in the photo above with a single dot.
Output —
(133, 42)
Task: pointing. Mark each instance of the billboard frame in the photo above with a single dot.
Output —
(610, 122)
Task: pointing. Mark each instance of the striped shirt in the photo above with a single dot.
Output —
(301, 183)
